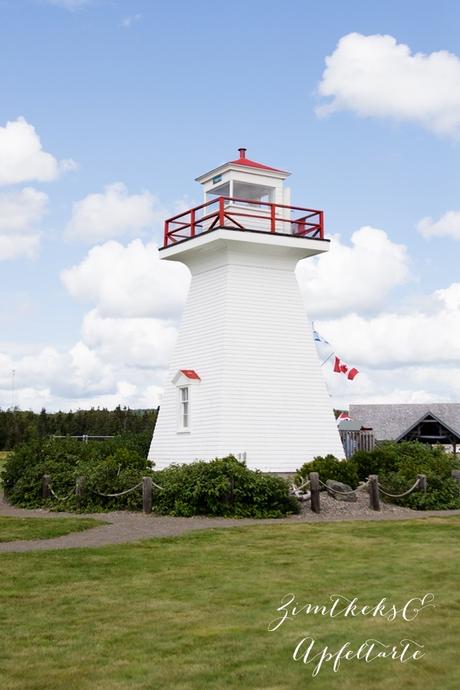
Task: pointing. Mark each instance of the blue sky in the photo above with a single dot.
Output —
(151, 94)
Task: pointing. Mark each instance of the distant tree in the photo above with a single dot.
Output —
(18, 425)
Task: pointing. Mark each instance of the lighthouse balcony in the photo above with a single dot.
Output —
(231, 213)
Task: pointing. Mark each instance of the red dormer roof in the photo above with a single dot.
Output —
(190, 374)
(242, 160)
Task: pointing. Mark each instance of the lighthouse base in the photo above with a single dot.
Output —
(260, 395)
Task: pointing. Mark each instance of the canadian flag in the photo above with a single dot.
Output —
(344, 417)
(342, 368)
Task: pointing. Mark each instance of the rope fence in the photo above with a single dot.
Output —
(122, 493)
(361, 486)
(406, 493)
(79, 489)
(314, 483)
(372, 485)
(61, 498)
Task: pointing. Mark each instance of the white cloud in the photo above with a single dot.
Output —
(392, 339)
(144, 343)
(14, 246)
(117, 361)
(69, 4)
(19, 214)
(20, 210)
(401, 385)
(356, 277)
(447, 226)
(411, 356)
(78, 372)
(126, 339)
(127, 22)
(113, 213)
(377, 76)
(128, 281)
(22, 157)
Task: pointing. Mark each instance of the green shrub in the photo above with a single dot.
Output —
(221, 487)
(224, 487)
(139, 442)
(398, 465)
(329, 467)
(107, 466)
(384, 459)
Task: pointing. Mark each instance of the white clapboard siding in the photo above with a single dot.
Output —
(245, 332)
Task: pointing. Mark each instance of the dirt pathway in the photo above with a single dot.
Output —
(127, 527)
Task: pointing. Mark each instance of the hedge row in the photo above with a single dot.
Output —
(222, 487)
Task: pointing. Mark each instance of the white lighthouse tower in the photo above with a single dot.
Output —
(245, 377)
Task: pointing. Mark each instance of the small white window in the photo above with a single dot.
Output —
(184, 407)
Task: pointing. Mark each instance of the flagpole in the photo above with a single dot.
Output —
(327, 359)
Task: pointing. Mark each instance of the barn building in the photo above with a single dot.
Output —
(428, 422)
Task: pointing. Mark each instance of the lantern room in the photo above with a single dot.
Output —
(244, 195)
(244, 179)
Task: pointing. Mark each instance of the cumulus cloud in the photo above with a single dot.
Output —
(19, 214)
(20, 210)
(118, 361)
(145, 343)
(446, 226)
(23, 158)
(113, 213)
(126, 339)
(402, 358)
(391, 339)
(377, 76)
(355, 277)
(128, 281)
(78, 372)
(14, 246)
(427, 384)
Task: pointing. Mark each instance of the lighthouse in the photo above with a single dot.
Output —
(245, 377)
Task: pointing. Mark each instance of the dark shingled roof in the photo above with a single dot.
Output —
(389, 422)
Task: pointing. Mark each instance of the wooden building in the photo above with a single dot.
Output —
(428, 422)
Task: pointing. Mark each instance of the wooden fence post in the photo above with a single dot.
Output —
(79, 490)
(147, 494)
(422, 482)
(46, 493)
(374, 498)
(314, 490)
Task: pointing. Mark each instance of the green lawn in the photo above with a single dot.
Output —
(12, 528)
(192, 612)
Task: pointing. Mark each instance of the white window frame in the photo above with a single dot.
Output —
(181, 381)
(184, 408)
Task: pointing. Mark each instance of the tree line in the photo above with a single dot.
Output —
(17, 426)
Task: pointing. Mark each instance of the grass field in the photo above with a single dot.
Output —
(192, 612)
(12, 528)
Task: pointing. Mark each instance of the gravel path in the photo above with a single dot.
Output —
(127, 527)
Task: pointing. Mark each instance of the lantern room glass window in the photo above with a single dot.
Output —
(252, 192)
(242, 190)
(221, 190)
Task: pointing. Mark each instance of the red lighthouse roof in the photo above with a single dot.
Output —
(242, 160)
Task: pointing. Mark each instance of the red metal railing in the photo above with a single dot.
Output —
(229, 213)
